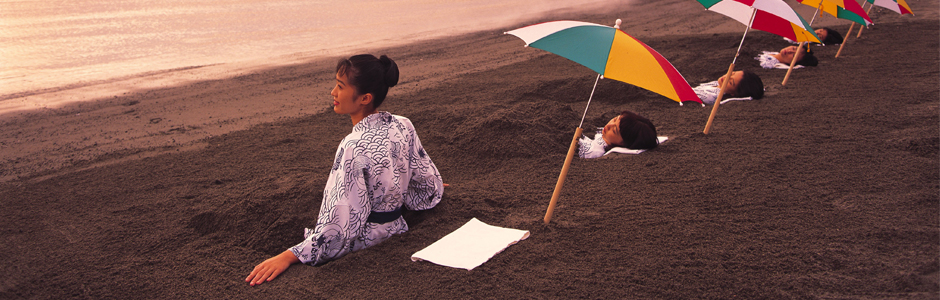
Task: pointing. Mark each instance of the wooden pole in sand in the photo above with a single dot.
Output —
(800, 48)
(721, 89)
(721, 93)
(867, 13)
(561, 177)
(848, 34)
(571, 151)
(844, 41)
(793, 63)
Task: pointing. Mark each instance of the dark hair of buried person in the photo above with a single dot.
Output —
(832, 37)
(637, 132)
(750, 86)
(808, 60)
(370, 75)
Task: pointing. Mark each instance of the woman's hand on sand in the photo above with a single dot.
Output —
(270, 268)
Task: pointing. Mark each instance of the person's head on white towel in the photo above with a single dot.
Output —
(743, 84)
(803, 58)
(829, 36)
(630, 130)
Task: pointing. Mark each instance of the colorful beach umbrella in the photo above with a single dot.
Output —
(611, 53)
(773, 16)
(849, 16)
(842, 9)
(898, 6)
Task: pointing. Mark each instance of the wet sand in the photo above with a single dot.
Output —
(167, 186)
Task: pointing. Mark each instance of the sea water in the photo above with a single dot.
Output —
(50, 44)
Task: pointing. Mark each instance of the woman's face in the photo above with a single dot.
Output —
(788, 54)
(611, 132)
(732, 87)
(346, 100)
(822, 33)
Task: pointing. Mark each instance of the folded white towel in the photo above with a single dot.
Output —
(623, 150)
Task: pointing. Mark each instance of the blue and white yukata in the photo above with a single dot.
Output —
(379, 167)
(767, 60)
(592, 148)
(708, 93)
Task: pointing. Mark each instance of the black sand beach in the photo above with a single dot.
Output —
(828, 188)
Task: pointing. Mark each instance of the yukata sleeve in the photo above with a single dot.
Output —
(343, 212)
(426, 187)
(767, 60)
(588, 148)
(707, 92)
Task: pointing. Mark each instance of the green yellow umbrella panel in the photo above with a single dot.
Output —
(842, 9)
(610, 52)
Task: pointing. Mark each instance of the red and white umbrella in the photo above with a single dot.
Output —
(773, 16)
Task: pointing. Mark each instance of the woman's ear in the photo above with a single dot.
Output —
(366, 99)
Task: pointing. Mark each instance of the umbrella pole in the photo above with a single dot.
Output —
(800, 48)
(721, 89)
(721, 93)
(868, 13)
(571, 151)
(793, 63)
(847, 34)
(561, 177)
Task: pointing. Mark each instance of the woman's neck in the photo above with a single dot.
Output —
(356, 117)
(783, 59)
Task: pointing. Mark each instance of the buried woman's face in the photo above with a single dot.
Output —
(611, 132)
(788, 54)
(822, 33)
(732, 87)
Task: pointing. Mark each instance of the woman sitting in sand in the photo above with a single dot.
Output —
(782, 59)
(379, 168)
(743, 84)
(628, 130)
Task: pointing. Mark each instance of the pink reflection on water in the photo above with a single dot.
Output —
(46, 44)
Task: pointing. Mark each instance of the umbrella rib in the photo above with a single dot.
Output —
(589, 100)
(749, 23)
(814, 14)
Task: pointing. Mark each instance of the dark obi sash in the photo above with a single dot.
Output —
(382, 217)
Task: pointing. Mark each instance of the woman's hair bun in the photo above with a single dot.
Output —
(391, 70)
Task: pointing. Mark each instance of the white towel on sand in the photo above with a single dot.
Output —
(635, 151)
(470, 245)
